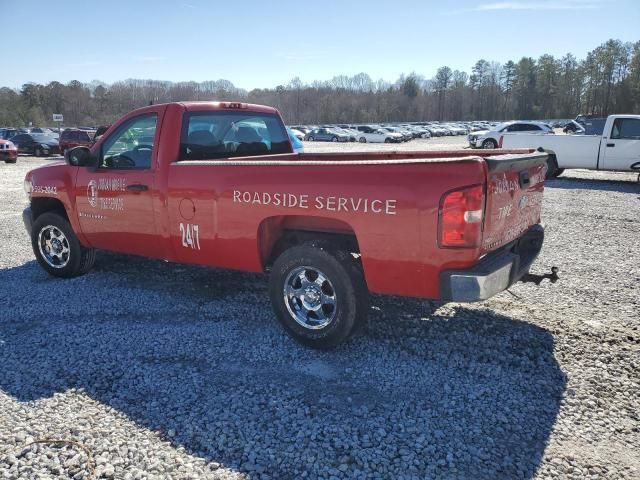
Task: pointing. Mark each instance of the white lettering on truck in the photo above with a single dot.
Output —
(319, 202)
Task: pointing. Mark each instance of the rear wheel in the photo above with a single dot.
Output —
(38, 152)
(319, 297)
(489, 143)
(57, 248)
(11, 160)
(387, 140)
(311, 139)
(362, 140)
(334, 139)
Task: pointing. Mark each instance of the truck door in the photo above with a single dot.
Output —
(115, 202)
(622, 148)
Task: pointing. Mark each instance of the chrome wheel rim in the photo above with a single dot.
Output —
(310, 297)
(54, 246)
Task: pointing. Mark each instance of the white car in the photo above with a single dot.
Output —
(379, 136)
(491, 138)
(618, 148)
(299, 135)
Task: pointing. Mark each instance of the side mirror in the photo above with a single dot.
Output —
(80, 157)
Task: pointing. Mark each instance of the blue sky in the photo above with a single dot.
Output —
(263, 43)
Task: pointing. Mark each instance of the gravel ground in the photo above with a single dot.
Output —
(153, 370)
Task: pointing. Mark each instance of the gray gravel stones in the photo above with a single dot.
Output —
(168, 371)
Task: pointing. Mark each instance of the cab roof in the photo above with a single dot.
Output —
(198, 106)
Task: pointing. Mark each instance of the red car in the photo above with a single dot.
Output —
(8, 151)
(73, 137)
(218, 184)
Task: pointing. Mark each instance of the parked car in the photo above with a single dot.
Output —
(7, 133)
(296, 143)
(378, 136)
(405, 135)
(489, 138)
(73, 137)
(326, 135)
(328, 228)
(37, 144)
(8, 151)
(297, 133)
(617, 148)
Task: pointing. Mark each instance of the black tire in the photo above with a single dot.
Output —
(362, 140)
(311, 139)
(334, 139)
(80, 259)
(552, 168)
(38, 152)
(347, 284)
(489, 143)
(387, 140)
(11, 160)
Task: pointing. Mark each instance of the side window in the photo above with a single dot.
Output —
(626, 128)
(531, 127)
(212, 135)
(131, 145)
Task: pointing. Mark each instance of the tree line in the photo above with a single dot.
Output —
(606, 81)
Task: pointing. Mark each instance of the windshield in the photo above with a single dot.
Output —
(500, 126)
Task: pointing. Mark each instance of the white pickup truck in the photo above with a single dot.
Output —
(618, 148)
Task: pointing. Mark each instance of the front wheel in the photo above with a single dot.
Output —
(489, 143)
(362, 140)
(334, 139)
(38, 152)
(57, 248)
(319, 297)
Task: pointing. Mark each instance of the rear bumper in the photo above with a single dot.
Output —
(495, 272)
(27, 218)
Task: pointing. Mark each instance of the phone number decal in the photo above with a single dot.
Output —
(48, 189)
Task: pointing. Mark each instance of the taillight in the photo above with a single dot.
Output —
(461, 215)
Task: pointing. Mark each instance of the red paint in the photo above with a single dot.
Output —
(390, 201)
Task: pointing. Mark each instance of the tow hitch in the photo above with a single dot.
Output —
(537, 279)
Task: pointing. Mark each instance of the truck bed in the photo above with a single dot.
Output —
(571, 151)
(367, 158)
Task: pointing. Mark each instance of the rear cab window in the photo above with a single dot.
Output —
(221, 134)
(625, 128)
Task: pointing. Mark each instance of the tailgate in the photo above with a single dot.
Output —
(514, 197)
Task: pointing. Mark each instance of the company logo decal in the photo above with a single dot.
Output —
(109, 185)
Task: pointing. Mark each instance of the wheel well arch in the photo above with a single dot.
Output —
(42, 205)
(276, 234)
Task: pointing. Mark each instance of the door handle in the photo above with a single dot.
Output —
(611, 144)
(137, 188)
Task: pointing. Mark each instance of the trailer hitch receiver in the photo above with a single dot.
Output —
(537, 279)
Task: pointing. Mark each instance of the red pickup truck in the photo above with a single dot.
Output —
(215, 183)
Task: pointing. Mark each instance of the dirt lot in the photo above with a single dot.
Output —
(168, 371)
